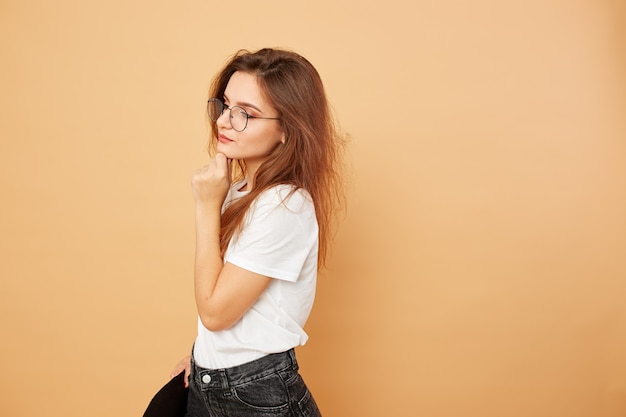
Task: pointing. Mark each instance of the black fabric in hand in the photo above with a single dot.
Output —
(170, 401)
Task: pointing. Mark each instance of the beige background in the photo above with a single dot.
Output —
(480, 269)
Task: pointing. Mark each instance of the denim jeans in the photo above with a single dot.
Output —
(267, 387)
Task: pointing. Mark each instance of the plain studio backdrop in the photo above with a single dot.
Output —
(479, 271)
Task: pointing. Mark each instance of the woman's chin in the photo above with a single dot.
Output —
(223, 149)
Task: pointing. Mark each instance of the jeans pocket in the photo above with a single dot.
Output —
(308, 406)
(267, 394)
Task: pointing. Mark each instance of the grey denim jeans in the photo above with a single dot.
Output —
(267, 387)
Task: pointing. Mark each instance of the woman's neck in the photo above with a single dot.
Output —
(251, 169)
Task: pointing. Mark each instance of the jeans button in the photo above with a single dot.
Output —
(206, 378)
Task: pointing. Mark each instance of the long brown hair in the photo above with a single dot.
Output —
(310, 158)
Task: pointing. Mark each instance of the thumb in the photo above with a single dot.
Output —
(223, 164)
(186, 377)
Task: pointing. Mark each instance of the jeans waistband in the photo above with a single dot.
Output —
(237, 375)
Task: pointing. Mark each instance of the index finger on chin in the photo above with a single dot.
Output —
(221, 162)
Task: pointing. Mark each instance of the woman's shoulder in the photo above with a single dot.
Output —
(287, 195)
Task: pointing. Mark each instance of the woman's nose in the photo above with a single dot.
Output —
(223, 121)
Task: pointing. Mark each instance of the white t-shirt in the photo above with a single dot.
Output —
(280, 240)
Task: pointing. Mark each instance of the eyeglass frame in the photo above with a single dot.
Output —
(230, 117)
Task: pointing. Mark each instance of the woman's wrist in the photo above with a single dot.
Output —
(208, 208)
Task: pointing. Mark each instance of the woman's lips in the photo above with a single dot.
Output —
(224, 139)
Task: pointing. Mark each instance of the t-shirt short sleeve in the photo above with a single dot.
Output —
(279, 234)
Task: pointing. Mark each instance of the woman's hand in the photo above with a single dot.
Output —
(183, 365)
(210, 184)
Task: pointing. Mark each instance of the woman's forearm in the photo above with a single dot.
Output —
(208, 261)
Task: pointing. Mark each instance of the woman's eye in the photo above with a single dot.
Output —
(241, 113)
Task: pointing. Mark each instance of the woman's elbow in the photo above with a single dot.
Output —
(215, 323)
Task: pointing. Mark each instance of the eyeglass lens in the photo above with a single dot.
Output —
(215, 108)
(238, 116)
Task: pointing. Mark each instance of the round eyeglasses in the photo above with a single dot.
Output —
(238, 115)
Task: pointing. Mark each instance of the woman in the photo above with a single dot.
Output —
(261, 238)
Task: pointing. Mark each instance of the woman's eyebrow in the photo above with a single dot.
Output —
(244, 104)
